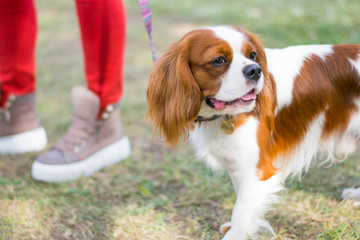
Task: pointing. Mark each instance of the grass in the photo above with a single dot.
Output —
(162, 193)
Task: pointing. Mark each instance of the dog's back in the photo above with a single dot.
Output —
(318, 97)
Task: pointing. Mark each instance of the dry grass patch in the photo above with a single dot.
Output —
(25, 219)
(137, 223)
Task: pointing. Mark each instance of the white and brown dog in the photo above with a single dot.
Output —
(260, 114)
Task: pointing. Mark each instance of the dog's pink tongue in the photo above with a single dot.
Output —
(217, 104)
(249, 96)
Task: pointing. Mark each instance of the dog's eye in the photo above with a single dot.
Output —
(252, 56)
(219, 61)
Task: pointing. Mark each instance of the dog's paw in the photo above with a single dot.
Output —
(352, 194)
(224, 228)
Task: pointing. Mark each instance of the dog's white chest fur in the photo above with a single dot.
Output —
(236, 151)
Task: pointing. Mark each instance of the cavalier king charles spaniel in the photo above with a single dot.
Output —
(261, 114)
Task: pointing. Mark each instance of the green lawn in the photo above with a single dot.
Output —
(163, 193)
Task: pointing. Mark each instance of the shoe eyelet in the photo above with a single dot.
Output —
(105, 115)
(12, 98)
(109, 108)
(76, 149)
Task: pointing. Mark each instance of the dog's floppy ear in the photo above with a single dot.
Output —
(173, 95)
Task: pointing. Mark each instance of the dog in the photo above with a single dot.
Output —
(261, 114)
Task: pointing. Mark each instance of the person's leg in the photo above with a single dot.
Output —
(95, 138)
(103, 29)
(19, 126)
(17, 48)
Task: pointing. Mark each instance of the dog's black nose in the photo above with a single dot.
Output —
(252, 72)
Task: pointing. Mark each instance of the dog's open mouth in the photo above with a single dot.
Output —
(244, 100)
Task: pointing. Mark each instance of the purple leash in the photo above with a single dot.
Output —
(146, 16)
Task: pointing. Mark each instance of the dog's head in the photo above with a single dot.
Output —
(212, 71)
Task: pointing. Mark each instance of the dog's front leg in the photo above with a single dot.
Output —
(253, 200)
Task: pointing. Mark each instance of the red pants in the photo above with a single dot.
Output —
(103, 27)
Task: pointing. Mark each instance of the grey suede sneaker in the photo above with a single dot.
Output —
(20, 130)
(89, 145)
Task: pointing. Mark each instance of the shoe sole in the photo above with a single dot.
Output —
(107, 156)
(30, 141)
